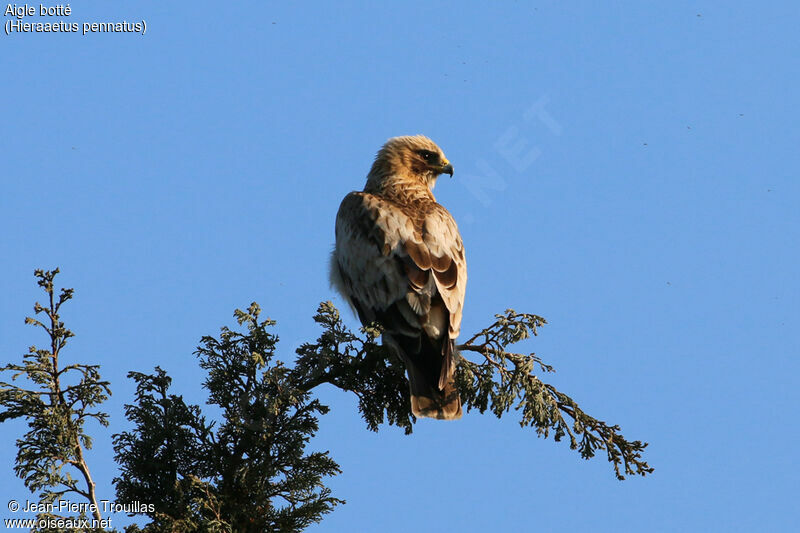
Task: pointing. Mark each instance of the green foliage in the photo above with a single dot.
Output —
(56, 406)
(359, 365)
(505, 379)
(249, 473)
(159, 462)
(500, 381)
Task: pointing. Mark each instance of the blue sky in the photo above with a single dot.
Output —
(627, 171)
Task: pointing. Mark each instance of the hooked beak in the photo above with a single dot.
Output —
(447, 169)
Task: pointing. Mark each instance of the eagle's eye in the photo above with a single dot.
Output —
(428, 156)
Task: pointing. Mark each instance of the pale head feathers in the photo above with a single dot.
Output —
(413, 158)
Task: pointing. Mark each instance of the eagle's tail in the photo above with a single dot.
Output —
(426, 402)
(431, 379)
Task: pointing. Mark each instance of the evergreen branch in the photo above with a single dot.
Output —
(56, 436)
(541, 404)
(503, 380)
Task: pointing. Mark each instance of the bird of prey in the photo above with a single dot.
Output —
(399, 261)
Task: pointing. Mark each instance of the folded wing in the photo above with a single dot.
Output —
(404, 267)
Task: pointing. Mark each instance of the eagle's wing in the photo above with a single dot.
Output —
(448, 264)
(385, 255)
(406, 269)
(365, 266)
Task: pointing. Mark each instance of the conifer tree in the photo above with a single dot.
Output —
(56, 399)
(250, 472)
(247, 469)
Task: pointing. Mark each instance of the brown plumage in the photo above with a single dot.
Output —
(399, 260)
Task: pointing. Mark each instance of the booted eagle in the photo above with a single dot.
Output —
(399, 261)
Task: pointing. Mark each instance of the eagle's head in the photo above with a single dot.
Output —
(413, 156)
